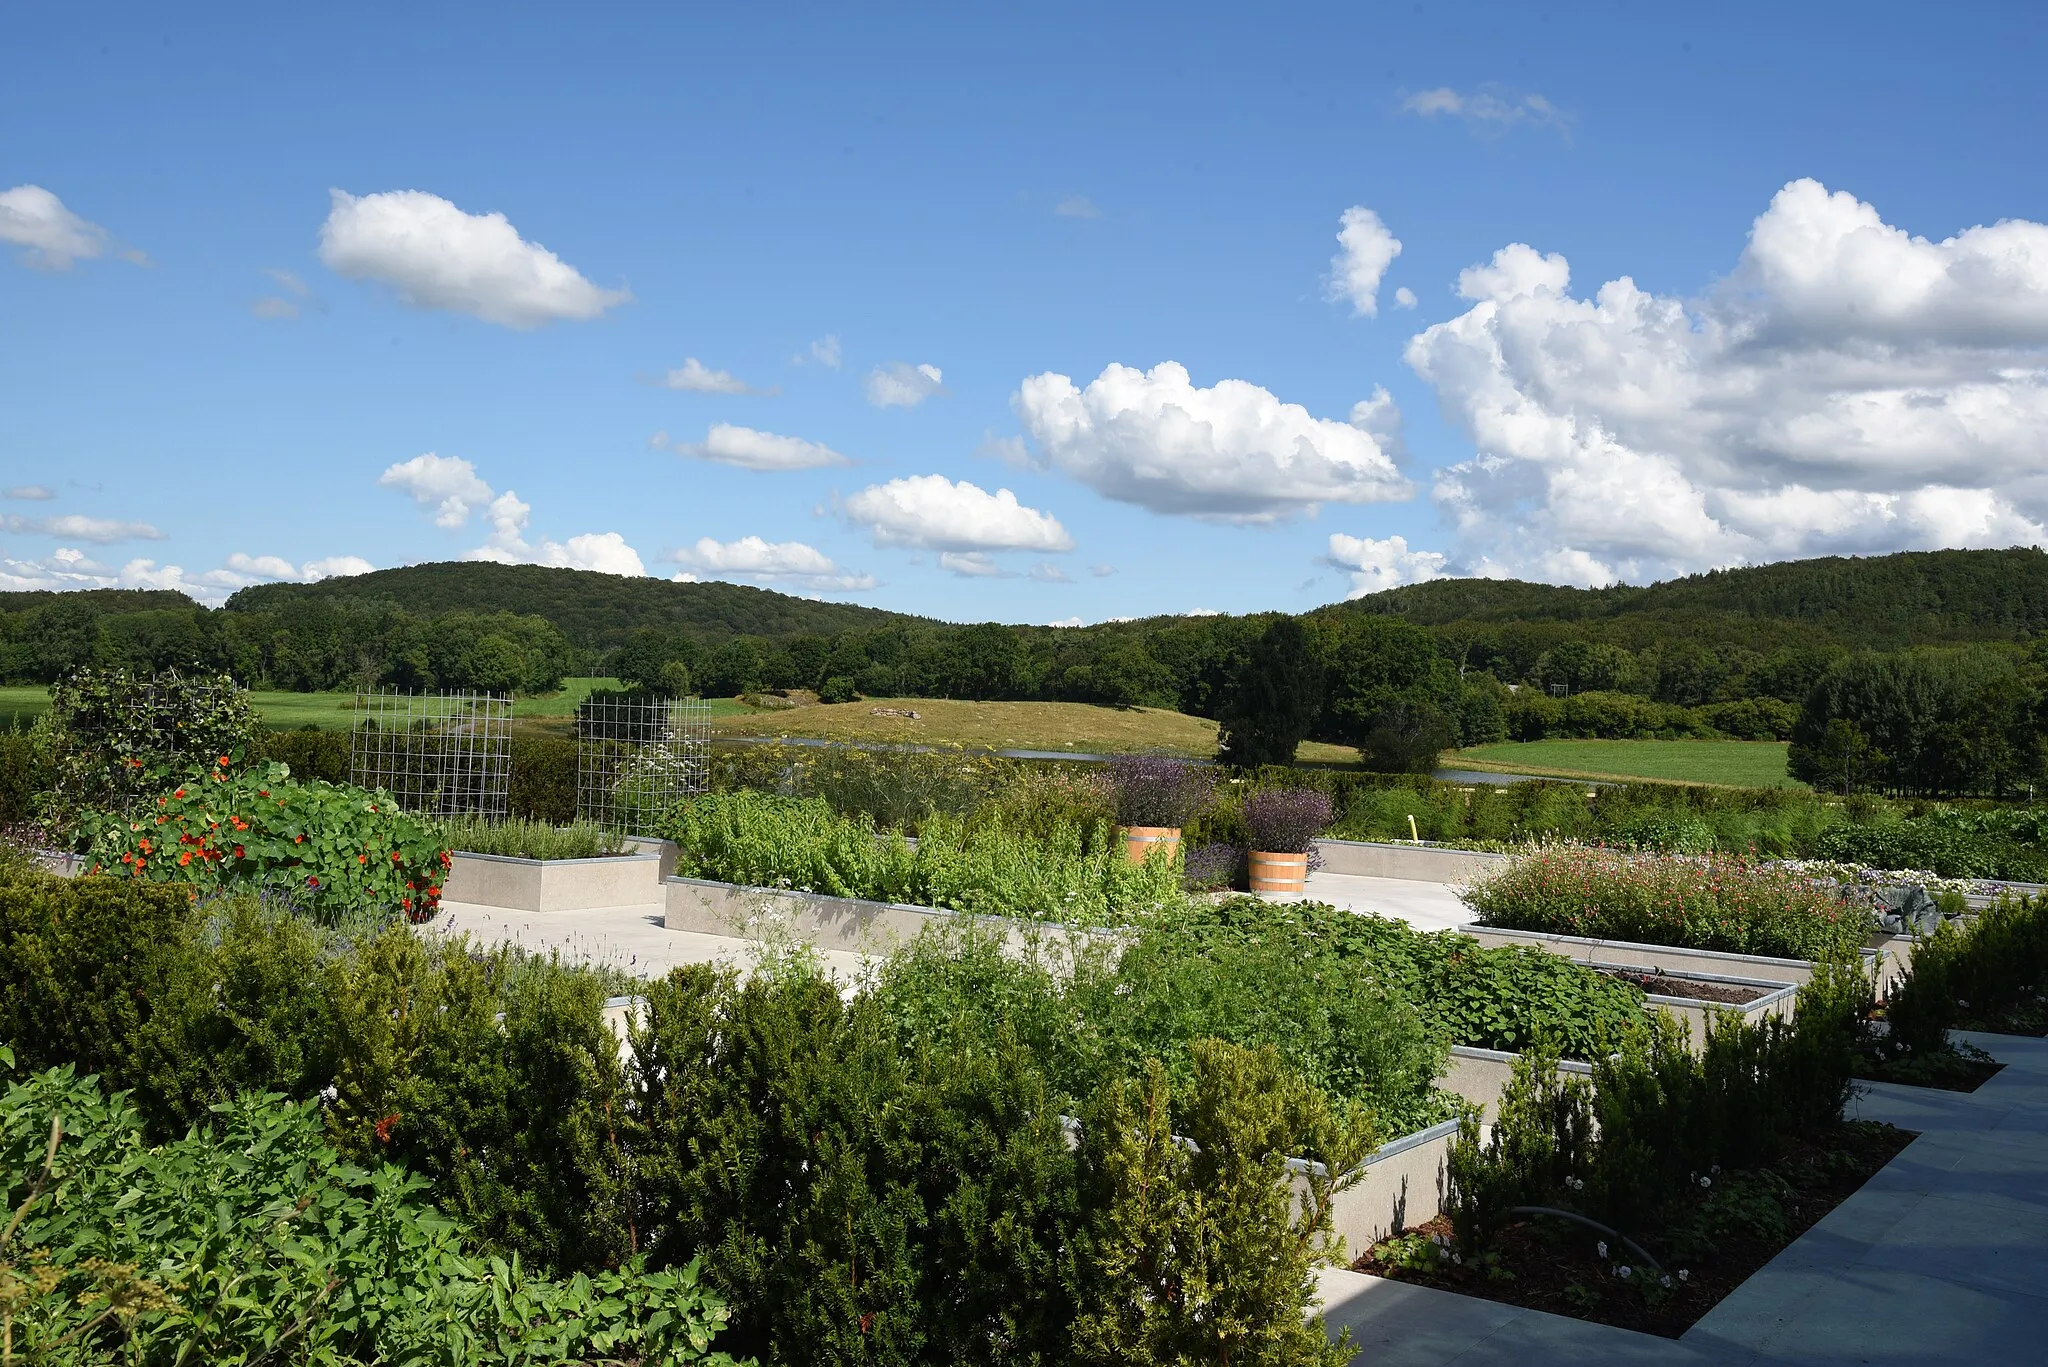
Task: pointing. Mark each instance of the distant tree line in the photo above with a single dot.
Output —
(1912, 674)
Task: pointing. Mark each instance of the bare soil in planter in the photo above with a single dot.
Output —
(1718, 1236)
(1663, 985)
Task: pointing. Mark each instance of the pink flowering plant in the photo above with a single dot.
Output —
(330, 845)
(1720, 902)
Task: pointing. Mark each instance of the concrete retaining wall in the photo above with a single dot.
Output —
(494, 880)
(1671, 959)
(1403, 1186)
(1481, 1075)
(1418, 863)
(848, 923)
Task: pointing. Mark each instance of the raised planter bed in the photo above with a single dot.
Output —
(496, 880)
(849, 923)
(1418, 863)
(1887, 955)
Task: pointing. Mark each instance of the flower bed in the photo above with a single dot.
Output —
(1712, 902)
(1070, 874)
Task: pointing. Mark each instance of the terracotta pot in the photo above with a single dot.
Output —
(1140, 841)
(1279, 872)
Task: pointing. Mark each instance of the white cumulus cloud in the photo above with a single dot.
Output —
(453, 489)
(752, 450)
(973, 565)
(1404, 298)
(437, 256)
(447, 484)
(1382, 564)
(263, 568)
(933, 512)
(694, 377)
(50, 236)
(1847, 389)
(1233, 452)
(1365, 248)
(785, 563)
(32, 493)
(902, 385)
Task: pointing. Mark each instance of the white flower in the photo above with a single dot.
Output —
(1623, 1271)
(1666, 1281)
(1684, 1275)
(1458, 1258)
(330, 1094)
(1601, 1248)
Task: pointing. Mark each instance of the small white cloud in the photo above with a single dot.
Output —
(1045, 572)
(1191, 612)
(1382, 564)
(1077, 206)
(335, 567)
(1365, 248)
(825, 351)
(902, 385)
(1065, 622)
(50, 236)
(437, 256)
(752, 450)
(789, 563)
(1232, 453)
(1102, 571)
(933, 512)
(1489, 111)
(268, 568)
(74, 527)
(34, 493)
(1404, 298)
(973, 565)
(448, 484)
(694, 377)
(288, 281)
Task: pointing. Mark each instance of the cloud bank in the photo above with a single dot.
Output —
(1233, 452)
(1847, 389)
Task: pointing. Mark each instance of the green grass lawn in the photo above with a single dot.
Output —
(1730, 763)
(334, 711)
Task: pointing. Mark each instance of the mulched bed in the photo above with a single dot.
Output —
(1724, 1234)
(1963, 1068)
(1663, 985)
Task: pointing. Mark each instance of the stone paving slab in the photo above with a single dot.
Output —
(1426, 906)
(631, 939)
(1941, 1257)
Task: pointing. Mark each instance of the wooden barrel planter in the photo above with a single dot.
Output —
(1279, 872)
(1140, 841)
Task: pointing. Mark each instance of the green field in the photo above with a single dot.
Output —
(1728, 763)
(332, 711)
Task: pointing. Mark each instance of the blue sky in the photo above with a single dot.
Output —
(219, 372)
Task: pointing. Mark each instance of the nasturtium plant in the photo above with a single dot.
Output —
(328, 845)
(115, 740)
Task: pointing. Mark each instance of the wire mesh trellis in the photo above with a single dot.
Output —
(636, 756)
(440, 754)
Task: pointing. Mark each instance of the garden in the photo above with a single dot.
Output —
(260, 1107)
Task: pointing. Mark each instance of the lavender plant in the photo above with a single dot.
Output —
(1286, 820)
(1153, 790)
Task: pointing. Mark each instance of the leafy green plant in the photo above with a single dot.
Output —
(1073, 875)
(530, 839)
(115, 740)
(335, 847)
(1710, 902)
(256, 1242)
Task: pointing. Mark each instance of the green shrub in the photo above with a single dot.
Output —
(1712, 902)
(1976, 970)
(1537, 1146)
(522, 839)
(543, 784)
(1203, 1251)
(334, 847)
(860, 1204)
(255, 1242)
(309, 752)
(24, 772)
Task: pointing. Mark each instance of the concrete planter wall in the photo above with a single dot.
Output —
(1403, 1186)
(494, 880)
(849, 923)
(1887, 956)
(1418, 863)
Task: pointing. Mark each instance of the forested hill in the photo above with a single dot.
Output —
(98, 602)
(593, 611)
(1913, 598)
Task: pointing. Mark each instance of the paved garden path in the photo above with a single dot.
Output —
(1426, 906)
(1941, 1258)
(628, 938)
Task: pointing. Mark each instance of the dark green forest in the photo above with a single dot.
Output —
(1914, 672)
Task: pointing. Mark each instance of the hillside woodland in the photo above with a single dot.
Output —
(1914, 673)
